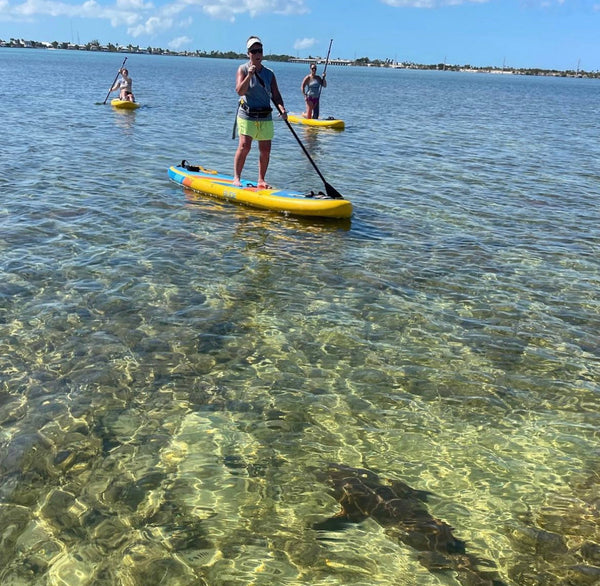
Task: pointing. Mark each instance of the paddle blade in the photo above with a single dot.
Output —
(332, 192)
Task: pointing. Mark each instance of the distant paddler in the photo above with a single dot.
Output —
(124, 85)
(312, 85)
(311, 90)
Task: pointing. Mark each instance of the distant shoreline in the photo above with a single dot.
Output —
(95, 46)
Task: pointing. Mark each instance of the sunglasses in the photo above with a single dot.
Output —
(255, 51)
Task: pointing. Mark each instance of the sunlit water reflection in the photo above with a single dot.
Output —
(176, 373)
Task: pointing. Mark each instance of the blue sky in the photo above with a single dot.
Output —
(550, 34)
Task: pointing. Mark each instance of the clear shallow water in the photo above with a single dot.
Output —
(175, 373)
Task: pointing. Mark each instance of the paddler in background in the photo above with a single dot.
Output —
(311, 90)
(257, 86)
(125, 84)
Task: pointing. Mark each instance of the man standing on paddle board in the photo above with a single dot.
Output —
(257, 86)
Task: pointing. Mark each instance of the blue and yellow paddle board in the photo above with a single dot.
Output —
(280, 200)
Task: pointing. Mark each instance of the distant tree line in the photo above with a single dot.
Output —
(362, 61)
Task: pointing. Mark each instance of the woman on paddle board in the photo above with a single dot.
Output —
(124, 84)
(256, 84)
(311, 90)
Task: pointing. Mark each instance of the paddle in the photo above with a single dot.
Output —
(115, 80)
(331, 191)
(235, 123)
(317, 110)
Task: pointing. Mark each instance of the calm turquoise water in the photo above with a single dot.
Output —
(174, 374)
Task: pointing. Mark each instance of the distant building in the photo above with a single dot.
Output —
(320, 60)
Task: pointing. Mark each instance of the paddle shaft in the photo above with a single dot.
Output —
(115, 80)
(326, 62)
(331, 191)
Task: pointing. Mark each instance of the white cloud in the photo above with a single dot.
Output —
(144, 17)
(150, 27)
(44, 7)
(430, 3)
(4, 15)
(179, 42)
(133, 5)
(89, 9)
(230, 9)
(303, 44)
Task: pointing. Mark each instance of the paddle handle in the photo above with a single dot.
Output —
(327, 59)
(317, 107)
(114, 81)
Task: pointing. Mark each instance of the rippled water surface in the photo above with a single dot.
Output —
(176, 374)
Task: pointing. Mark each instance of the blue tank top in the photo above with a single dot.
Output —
(311, 89)
(257, 97)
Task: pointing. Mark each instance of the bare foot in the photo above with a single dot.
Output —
(263, 185)
(237, 183)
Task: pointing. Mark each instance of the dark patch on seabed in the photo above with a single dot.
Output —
(562, 536)
(402, 511)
